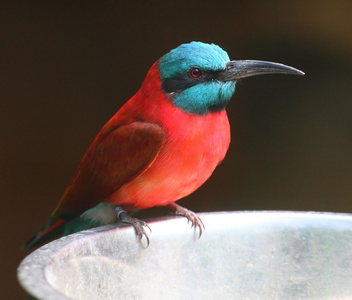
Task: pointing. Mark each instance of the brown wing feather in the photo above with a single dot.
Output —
(117, 158)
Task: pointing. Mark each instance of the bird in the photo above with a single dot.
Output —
(160, 146)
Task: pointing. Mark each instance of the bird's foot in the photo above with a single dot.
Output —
(192, 217)
(137, 224)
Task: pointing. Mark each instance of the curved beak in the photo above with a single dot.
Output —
(237, 69)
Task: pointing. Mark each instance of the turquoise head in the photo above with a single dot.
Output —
(199, 78)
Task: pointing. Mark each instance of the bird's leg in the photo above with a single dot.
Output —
(137, 224)
(192, 217)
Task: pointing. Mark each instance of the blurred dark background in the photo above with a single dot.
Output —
(67, 66)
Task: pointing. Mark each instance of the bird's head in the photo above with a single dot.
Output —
(200, 78)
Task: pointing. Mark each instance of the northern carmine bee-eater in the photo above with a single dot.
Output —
(162, 145)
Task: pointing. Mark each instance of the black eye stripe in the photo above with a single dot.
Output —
(181, 82)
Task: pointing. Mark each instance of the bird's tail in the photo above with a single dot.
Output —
(47, 233)
(65, 224)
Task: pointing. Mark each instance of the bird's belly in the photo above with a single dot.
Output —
(167, 180)
(183, 165)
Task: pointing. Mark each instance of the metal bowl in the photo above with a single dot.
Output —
(241, 255)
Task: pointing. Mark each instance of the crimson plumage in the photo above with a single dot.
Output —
(162, 145)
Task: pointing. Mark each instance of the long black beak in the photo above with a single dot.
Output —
(237, 69)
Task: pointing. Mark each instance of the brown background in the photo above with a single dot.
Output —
(67, 66)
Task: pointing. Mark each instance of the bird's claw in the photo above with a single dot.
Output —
(195, 221)
(192, 217)
(137, 224)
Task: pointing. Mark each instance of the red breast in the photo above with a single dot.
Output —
(195, 145)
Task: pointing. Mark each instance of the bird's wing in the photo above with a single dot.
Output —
(111, 161)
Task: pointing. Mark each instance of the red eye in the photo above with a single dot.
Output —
(195, 72)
